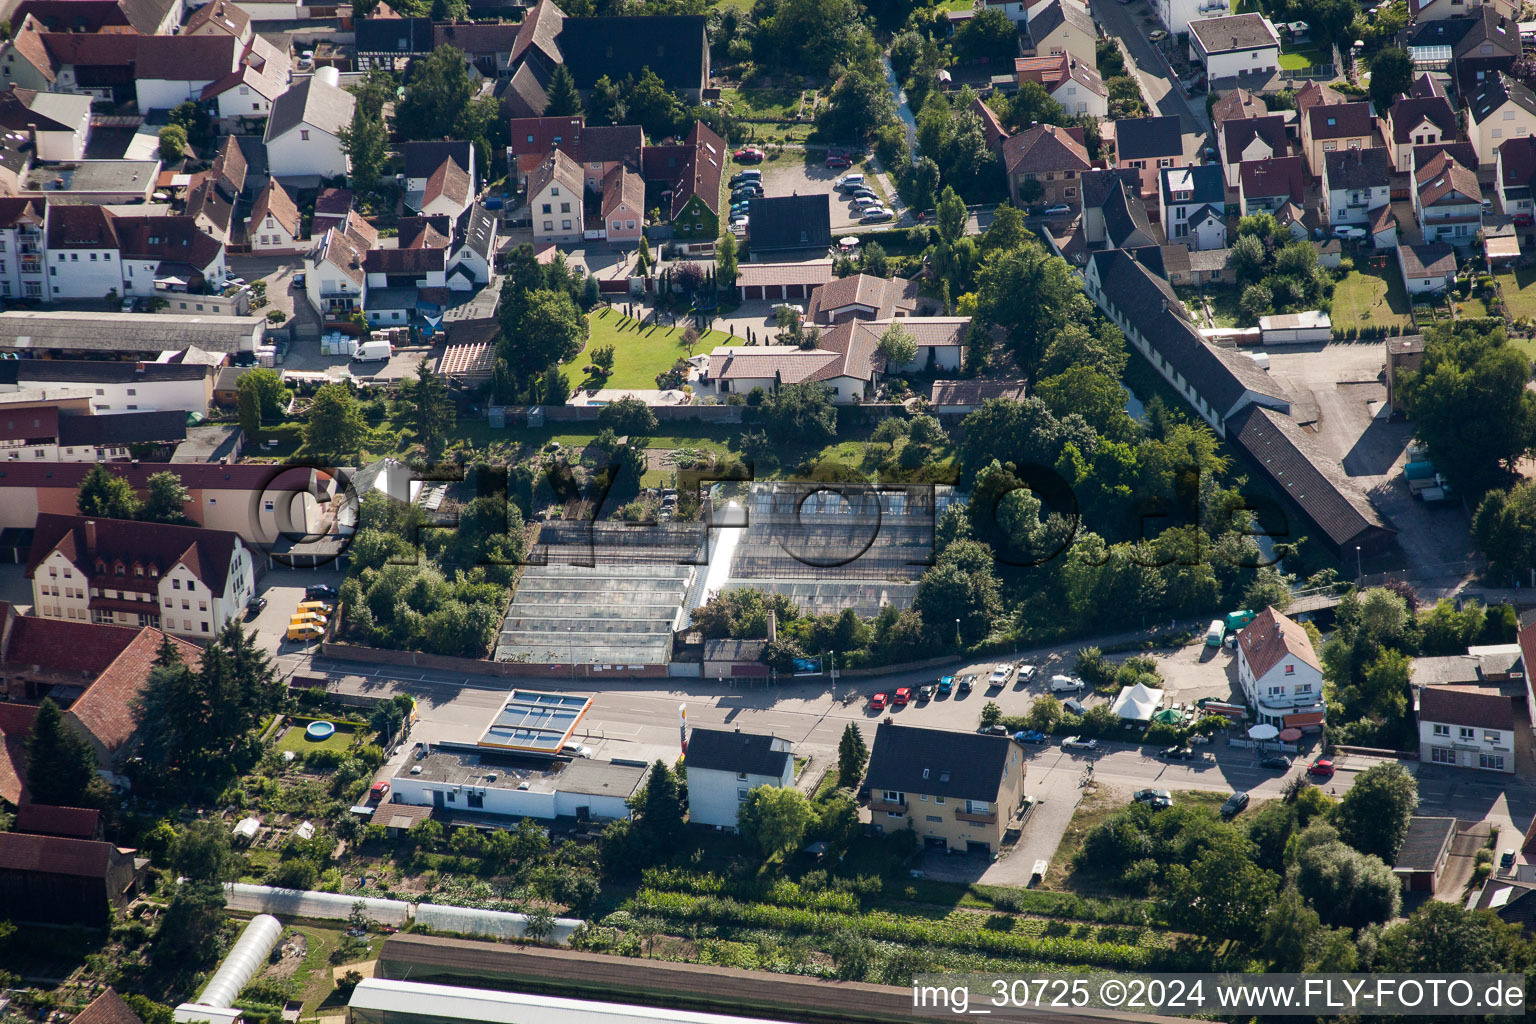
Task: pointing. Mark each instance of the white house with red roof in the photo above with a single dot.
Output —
(1280, 672)
(1466, 727)
(182, 579)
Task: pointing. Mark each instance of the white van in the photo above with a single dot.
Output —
(373, 351)
(1060, 683)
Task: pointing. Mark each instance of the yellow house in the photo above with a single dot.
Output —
(958, 790)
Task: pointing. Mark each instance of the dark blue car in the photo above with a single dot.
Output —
(1029, 736)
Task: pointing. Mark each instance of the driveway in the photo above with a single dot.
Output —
(1338, 392)
(1163, 95)
(277, 272)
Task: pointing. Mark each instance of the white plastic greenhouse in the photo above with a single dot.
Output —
(243, 962)
(489, 923)
(327, 906)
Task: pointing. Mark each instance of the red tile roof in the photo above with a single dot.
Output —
(60, 645)
(274, 202)
(70, 822)
(1281, 176)
(107, 1008)
(15, 727)
(1270, 637)
(105, 709)
(1043, 148)
(158, 546)
(51, 855)
(1466, 705)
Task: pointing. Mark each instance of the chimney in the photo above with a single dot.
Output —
(90, 535)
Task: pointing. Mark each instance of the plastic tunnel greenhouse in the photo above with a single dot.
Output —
(328, 906)
(244, 960)
(488, 923)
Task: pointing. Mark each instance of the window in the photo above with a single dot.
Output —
(1466, 732)
(894, 814)
(1494, 761)
(937, 819)
(1492, 736)
(547, 209)
(555, 191)
(565, 225)
(890, 796)
(1290, 670)
(1442, 755)
(175, 584)
(741, 794)
(565, 207)
(303, 134)
(978, 807)
(474, 799)
(938, 799)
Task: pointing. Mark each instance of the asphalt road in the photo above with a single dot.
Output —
(1163, 95)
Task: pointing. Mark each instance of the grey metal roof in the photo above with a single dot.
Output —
(127, 332)
(725, 751)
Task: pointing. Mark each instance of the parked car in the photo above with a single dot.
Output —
(755, 176)
(1057, 210)
(849, 182)
(1155, 797)
(1157, 35)
(877, 702)
(740, 206)
(995, 729)
(875, 215)
(1322, 768)
(298, 280)
(1522, 220)
(577, 750)
(1349, 232)
(903, 697)
(1179, 753)
(1029, 736)
(836, 161)
(322, 592)
(964, 685)
(947, 685)
(1235, 805)
(925, 692)
(1277, 762)
(1078, 743)
(867, 201)
(739, 222)
(999, 676)
(749, 155)
(1025, 674)
(1506, 860)
(378, 792)
(1061, 684)
(254, 606)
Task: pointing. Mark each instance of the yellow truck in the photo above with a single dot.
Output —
(308, 618)
(322, 608)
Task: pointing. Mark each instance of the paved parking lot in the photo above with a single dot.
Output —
(1337, 390)
(793, 174)
(284, 589)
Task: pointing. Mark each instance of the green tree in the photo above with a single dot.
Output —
(106, 495)
(661, 810)
(364, 141)
(859, 104)
(1373, 816)
(335, 427)
(438, 92)
(1248, 258)
(725, 259)
(429, 408)
(203, 852)
(800, 414)
(951, 216)
(563, 98)
(1447, 937)
(539, 327)
(1257, 300)
(1347, 888)
(1505, 528)
(1029, 294)
(166, 499)
(450, 10)
(1391, 76)
(189, 928)
(898, 347)
(541, 920)
(852, 755)
(61, 766)
(627, 416)
(988, 36)
(173, 143)
(960, 593)
(839, 826)
(1221, 894)
(775, 819)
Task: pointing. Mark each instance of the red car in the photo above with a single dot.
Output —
(1522, 219)
(1322, 768)
(837, 162)
(750, 155)
(903, 695)
(378, 792)
(877, 702)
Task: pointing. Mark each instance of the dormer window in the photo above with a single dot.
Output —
(119, 568)
(101, 567)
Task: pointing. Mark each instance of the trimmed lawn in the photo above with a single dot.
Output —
(639, 353)
(297, 741)
(1300, 60)
(1370, 298)
(763, 104)
(1519, 288)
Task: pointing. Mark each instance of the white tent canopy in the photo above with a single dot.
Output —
(1137, 703)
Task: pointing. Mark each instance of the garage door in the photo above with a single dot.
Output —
(937, 842)
(974, 847)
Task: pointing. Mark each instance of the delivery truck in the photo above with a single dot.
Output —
(373, 351)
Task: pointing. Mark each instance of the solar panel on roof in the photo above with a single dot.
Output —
(535, 721)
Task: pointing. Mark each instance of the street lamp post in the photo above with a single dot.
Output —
(1359, 575)
(957, 634)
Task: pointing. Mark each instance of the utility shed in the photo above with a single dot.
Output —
(1296, 328)
(1424, 853)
